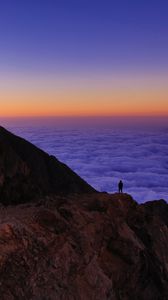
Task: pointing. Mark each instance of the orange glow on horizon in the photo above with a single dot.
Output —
(113, 97)
(121, 100)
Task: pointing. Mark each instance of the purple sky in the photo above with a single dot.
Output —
(54, 36)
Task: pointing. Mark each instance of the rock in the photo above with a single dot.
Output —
(69, 251)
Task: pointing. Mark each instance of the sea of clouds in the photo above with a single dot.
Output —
(105, 153)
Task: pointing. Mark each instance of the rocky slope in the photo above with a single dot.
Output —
(65, 241)
(84, 247)
(27, 172)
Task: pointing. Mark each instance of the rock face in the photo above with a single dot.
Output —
(27, 172)
(93, 246)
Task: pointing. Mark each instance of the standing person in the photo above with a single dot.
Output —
(120, 186)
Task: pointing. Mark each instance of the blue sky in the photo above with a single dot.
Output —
(93, 36)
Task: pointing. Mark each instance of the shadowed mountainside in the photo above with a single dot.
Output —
(74, 243)
(27, 172)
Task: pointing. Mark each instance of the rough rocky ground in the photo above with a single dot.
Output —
(84, 247)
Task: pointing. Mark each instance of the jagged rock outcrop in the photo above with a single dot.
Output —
(27, 172)
(93, 246)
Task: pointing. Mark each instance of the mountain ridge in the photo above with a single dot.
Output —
(26, 172)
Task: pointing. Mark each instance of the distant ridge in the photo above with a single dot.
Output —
(26, 172)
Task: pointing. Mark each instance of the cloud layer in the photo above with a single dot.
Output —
(104, 155)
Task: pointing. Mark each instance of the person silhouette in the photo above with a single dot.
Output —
(120, 186)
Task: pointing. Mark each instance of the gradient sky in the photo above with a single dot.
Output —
(83, 57)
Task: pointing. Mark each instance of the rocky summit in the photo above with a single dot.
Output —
(75, 243)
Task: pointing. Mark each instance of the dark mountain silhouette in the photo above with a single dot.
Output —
(27, 172)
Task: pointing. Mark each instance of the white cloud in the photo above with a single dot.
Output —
(103, 156)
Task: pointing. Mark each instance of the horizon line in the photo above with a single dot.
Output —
(85, 116)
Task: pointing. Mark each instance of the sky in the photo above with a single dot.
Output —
(83, 58)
